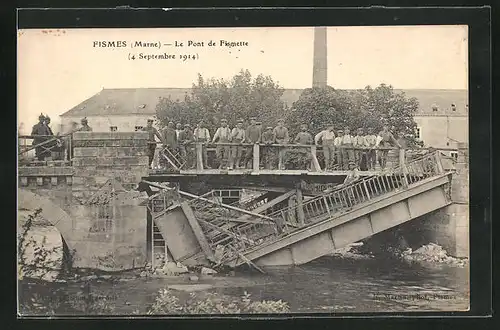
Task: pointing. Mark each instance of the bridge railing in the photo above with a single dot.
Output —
(257, 157)
(51, 149)
(345, 197)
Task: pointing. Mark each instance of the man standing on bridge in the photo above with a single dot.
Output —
(170, 145)
(385, 141)
(347, 148)
(238, 137)
(252, 135)
(152, 133)
(223, 135)
(267, 154)
(338, 149)
(371, 156)
(327, 137)
(39, 133)
(85, 126)
(304, 138)
(281, 137)
(185, 140)
(202, 135)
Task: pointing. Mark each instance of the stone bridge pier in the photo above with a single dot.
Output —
(93, 203)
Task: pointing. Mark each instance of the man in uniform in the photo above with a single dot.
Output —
(39, 132)
(202, 135)
(347, 148)
(359, 143)
(267, 154)
(223, 135)
(385, 141)
(178, 130)
(337, 142)
(152, 133)
(170, 145)
(85, 125)
(371, 141)
(281, 137)
(252, 135)
(186, 138)
(304, 137)
(327, 137)
(238, 136)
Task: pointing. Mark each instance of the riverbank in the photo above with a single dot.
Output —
(328, 284)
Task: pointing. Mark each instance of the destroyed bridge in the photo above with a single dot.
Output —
(258, 217)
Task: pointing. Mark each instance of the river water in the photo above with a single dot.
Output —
(329, 284)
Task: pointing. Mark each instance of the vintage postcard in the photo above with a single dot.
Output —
(180, 171)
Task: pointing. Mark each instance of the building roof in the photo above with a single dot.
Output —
(143, 101)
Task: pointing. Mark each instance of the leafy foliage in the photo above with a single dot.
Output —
(366, 108)
(213, 99)
(167, 303)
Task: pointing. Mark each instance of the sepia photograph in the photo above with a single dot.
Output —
(242, 170)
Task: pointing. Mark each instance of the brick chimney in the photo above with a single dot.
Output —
(320, 57)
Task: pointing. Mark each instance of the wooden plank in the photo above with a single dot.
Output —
(271, 203)
(198, 232)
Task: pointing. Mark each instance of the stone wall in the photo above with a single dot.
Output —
(106, 225)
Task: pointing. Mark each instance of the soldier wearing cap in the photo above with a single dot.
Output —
(178, 129)
(359, 144)
(223, 135)
(186, 139)
(267, 138)
(39, 133)
(238, 136)
(170, 144)
(347, 148)
(385, 140)
(371, 156)
(252, 135)
(337, 142)
(304, 137)
(281, 137)
(152, 133)
(327, 138)
(202, 135)
(85, 125)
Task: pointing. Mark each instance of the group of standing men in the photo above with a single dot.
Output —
(49, 145)
(341, 149)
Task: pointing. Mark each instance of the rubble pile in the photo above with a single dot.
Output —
(432, 253)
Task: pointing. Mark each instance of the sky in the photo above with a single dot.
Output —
(58, 69)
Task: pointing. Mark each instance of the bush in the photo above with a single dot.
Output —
(167, 303)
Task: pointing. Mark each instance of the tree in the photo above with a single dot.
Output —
(213, 99)
(365, 108)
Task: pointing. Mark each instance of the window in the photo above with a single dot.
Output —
(453, 107)
(454, 155)
(113, 128)
(139, 128)
(418, 133)
(435, 107)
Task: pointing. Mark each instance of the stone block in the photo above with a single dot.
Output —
(86, 152)
(53, 180)
(78, 136)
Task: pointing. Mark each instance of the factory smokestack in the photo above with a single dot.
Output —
(320, 57)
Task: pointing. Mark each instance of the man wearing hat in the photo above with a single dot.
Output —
(386, 140)
(152, 133)
(85, 125)
(337, 142)
(347, 148)
(304, 137)
(186, 139)
(222, 135)
(371, 141)
(39, 132)
(252, 135)
(359, 144)
(267, 138)
(202, 135)
(327, 137)
(281, 137)
(237, 137)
